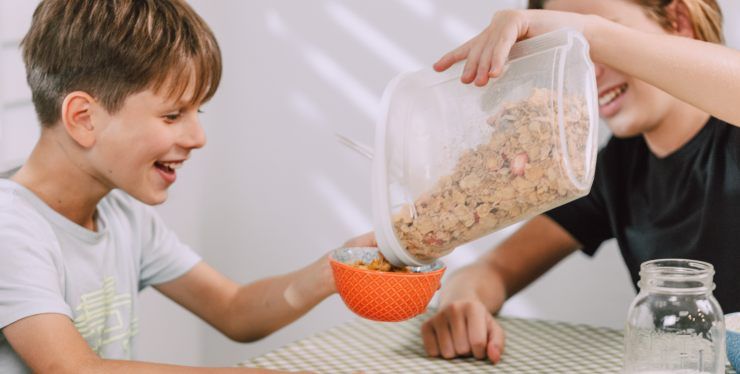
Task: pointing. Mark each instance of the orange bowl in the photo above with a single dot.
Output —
(379, 295)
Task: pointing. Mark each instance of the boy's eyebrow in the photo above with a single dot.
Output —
(181, 104)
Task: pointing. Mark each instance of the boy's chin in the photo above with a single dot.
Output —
(151, 198)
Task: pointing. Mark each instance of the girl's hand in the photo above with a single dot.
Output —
(486, 53)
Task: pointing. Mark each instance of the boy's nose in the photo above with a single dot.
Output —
(193, 135)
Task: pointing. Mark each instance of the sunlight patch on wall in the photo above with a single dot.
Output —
(345, 82)
(275, 23)
(456, 30)
(424, 9)
(326, 67)
(369, 35)
(307, 108)
(352, 217)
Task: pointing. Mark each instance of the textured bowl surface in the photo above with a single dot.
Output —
(383, 296)
(732, 321)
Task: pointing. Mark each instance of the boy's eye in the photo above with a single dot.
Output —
(172, 117)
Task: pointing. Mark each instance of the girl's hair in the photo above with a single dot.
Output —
(706, 16)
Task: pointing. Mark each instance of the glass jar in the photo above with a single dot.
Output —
(454, 162)
(675, 324)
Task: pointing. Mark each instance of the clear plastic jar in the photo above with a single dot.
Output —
(675, 324)
(454, 162)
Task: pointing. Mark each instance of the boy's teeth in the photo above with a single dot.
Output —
(171, 165)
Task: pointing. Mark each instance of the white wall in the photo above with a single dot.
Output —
(273, 190)
(18, 129)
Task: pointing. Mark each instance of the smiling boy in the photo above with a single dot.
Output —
(117, 85)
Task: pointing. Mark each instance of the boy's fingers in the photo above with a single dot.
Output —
(444, 339)
(430, 339)
(477, 332)
(459, 334)
(493, 353)
(496, 339)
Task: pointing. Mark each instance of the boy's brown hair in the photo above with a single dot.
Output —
(706, 16)
(115, 48)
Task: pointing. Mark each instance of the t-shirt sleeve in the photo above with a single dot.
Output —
(31, 272)
(164, 257)
(587, 218)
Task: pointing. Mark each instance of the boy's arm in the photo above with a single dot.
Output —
(49, 343)
(250, 312)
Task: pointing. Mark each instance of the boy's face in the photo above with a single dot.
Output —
(139, 148)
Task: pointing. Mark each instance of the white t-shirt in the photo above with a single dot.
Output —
(49, 264)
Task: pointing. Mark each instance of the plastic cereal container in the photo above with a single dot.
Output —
(454, 162)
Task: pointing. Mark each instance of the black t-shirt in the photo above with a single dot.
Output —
(686, 205)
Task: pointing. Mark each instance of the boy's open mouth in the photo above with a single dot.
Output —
(168, 166)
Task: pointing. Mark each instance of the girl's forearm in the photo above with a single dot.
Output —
(705, 75)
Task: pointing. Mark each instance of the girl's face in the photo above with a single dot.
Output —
(628, 105)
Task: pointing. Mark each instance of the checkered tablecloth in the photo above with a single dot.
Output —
(532, 346)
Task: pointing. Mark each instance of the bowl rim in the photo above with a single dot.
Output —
(333, 260)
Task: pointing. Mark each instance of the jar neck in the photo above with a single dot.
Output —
(676, 276)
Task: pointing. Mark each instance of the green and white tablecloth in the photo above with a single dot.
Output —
(532, 346)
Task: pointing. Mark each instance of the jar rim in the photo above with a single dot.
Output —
(677, 266)
(677, 275)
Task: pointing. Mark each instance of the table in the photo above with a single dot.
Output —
(532, 346)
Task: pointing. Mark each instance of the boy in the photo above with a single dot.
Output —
(117, 85)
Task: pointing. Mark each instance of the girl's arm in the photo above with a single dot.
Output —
(703, 74)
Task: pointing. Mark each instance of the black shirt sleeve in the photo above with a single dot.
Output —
(587, 218)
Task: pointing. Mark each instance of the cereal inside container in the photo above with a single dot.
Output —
(454, 162)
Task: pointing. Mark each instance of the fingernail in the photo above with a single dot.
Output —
(496, 354)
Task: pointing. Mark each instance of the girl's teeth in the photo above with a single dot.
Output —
(611, 95)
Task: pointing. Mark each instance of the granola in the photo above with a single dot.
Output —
(380, 264)
(521, 171)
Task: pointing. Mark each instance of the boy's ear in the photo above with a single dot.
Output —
(77, 118)
(680, 16)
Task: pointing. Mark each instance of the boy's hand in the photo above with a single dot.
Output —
(323, 269)
(463, 328)
(364, 240)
